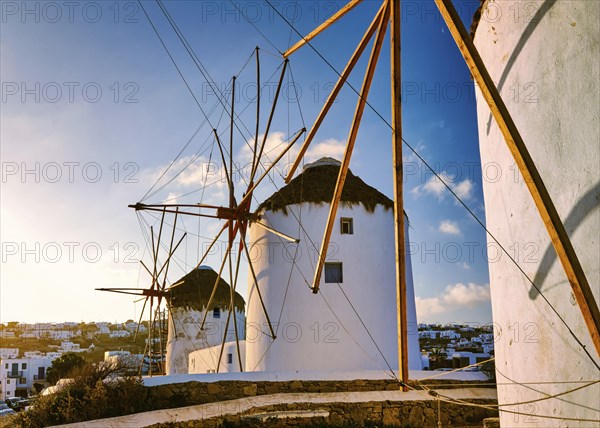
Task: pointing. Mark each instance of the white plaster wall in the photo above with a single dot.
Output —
(323, 331)
(207, 360)
(185, 336)
(547, 63)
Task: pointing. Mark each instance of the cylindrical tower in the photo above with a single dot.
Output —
(188, 300)
(351, 323)
(543, 55)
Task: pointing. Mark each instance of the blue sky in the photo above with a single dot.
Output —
(93, 111)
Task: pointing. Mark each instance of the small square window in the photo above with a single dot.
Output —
(6, 365)
(229, 358)
(217, 313)
(24, 366)
(347, 226)
(333, 273)
(22, 380)
(8, 381)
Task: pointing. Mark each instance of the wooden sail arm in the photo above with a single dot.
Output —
(207, 252)
(558, 235)
(171, 251)
(253, 186)
(269, 122)
(214, 290)
(332, 20)
(276, 232)
(227, 175)
(360, 107)
(257, 109)
(137, 328)
(336, 90)
(165, 265)
(255, 280)
(222, 213)
(142, 207)
(136, 291)
(233, 290)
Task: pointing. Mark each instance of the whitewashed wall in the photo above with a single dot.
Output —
(323, 331)
(206, 360)
(545, 57)
(185, 335)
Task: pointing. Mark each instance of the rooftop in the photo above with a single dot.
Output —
(316, 185)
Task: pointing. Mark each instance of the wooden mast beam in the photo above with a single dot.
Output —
(270, 120)
(360, 107)
(344, 10)
(257, 109)
(396, 89)
(558, 235)
(336, 90)
(253, 272)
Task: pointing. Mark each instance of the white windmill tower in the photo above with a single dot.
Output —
(188, 300)
(547, 75)
(352, 323)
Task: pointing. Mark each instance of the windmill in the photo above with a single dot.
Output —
(155, 342)
(236, 216)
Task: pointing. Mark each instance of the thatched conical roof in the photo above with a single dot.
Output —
(194, 289)
(316, 185)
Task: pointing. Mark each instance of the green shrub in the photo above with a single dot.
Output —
(97, 391)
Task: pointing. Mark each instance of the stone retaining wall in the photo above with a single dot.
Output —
(405, 414)
(192, 393)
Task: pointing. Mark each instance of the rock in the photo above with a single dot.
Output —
(296, 384)
(249, 390)
(390, 417)
(416, 416)
(213, 388)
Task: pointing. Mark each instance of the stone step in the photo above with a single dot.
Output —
(289, 414)
(491, 423)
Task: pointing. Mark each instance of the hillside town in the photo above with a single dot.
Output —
(23, 373)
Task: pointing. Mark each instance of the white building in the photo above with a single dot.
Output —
(464, 359)
(429, 334)
(449, 334)
(18, 375)
(351, 324)
(546, 69)
(70, 347)
(132, 327)
(206, 360)
(188, 300)
(119, 333)
(102, 328)
(9, 353)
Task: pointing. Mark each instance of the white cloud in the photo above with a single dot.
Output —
(464, 189)
(455, 296)
(187, 172)
(276, 143)
(437, 186)
(332, 148)
(449, 227)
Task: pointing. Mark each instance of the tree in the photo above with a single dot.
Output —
(63, 366)
(97, 391)
(436, 357)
